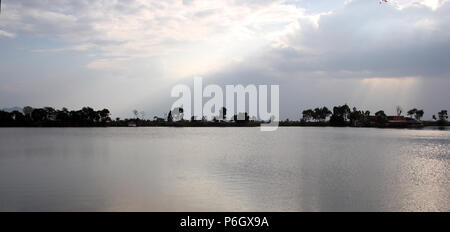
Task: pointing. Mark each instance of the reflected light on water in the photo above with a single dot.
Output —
(224, 169)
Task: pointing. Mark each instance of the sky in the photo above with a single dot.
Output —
(128, 54)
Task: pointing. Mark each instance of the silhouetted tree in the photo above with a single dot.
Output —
(411, 112)
(419, 114)
(381, 116)
(340, 115)
(316, 114)
(27, 112)
(169, 117)
(39, 115)
(51, 113)
(17, 116)
(443, 116)
(5, 116)
(76, 116)
(89, 115)
(320, 114)
(104, 115)
(323, 113)
(356, 116)
(62, 115)
(307, 115)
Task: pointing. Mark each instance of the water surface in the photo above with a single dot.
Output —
(224, 169)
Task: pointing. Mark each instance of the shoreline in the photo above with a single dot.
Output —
(142, 123)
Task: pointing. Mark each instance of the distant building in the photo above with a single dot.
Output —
(396, 118)
(396, 121)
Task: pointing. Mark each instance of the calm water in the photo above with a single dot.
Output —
(224, 169)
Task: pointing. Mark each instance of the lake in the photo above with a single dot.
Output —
(224, 169)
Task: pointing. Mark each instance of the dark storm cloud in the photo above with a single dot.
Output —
(360, 41)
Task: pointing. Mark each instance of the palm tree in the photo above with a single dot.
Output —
(419, 114)
(412, 112)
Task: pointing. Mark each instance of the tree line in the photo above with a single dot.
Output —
(344, 116)
(29, 116)
(87, 116)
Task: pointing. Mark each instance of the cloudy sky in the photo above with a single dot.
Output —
(128, 54)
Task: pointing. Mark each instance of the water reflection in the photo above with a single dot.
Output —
(224, 169)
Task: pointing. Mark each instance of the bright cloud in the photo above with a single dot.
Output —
(309, 46)
(7, 34)
(432, 4)
(138, 28)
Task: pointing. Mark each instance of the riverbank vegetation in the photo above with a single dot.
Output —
(340, 116)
